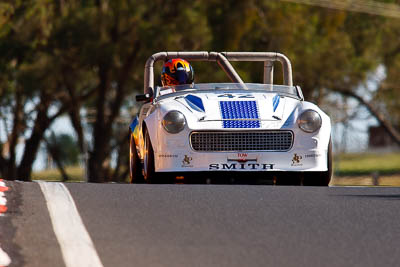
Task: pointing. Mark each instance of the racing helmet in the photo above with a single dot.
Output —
(177, 71)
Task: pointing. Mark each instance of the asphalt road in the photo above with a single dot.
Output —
(211, 225)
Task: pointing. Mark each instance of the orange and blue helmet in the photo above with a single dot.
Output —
(177, 71)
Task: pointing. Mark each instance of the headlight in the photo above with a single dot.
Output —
(309, 121)
(174, 122)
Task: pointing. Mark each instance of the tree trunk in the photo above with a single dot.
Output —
(101, 133)
(42, 122)
(11, 173)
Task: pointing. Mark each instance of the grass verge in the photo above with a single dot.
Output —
(367, 164)
(75, 174)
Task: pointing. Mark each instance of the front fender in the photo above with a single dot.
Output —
(152, 122)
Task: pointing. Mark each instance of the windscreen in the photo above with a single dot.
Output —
(289, 90)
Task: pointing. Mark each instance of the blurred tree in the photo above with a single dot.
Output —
(100, 48)
(386, 99)
(25, 94)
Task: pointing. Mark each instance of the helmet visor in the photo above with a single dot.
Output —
(181, 75)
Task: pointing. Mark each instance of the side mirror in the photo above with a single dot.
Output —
(145, 97)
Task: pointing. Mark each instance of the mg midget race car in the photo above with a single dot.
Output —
(230, 128)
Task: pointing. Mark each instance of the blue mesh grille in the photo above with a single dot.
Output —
(238, 110)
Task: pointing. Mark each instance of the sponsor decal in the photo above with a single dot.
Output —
(186, 162)
(241, 157)
(167, 156)
(312, 156)
(296, 160)
(241, 166)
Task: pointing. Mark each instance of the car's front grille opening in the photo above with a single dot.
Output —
(242, 141)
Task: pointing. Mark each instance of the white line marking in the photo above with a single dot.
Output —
(76, 245)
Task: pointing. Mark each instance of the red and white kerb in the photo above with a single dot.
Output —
(3, 201)
(4, 258)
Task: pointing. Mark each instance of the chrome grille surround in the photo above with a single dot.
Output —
(230, 141)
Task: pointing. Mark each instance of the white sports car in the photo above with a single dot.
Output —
(230, 128)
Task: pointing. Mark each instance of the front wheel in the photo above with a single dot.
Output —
(149, 173)
(135, 167)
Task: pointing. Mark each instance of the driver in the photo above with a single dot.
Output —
(177, 71)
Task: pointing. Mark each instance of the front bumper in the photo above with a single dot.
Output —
(173, 153)
(190, 161)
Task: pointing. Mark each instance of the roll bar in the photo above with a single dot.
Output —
(223, 58)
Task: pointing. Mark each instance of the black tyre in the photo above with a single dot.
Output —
(320, 178)
(149, 174)
(135, 166)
